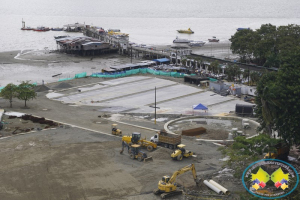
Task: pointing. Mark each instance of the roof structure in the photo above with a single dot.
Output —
(162, 60)
(200, 107)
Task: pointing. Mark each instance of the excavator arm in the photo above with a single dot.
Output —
(190, 167)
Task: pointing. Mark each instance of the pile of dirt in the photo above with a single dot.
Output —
(162, 154)
(63, 85)
(41, 88)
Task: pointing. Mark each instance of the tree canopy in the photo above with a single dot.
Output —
(9, 92)
(26, 91)
(266, 46)
(278, 105)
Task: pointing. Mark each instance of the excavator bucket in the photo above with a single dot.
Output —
(148, 159)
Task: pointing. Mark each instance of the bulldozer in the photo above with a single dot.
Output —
(115, 130)
(135, 138)
(135, 152)
(282, 153)
(167, 186)
(181, 152)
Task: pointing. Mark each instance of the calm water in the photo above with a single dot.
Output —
(147, 22)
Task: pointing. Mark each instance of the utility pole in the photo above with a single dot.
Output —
(131, 52)
(154, 106)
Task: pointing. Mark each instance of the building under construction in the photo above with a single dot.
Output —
(83, 45)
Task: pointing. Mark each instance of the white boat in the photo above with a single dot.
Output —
(196, 43)
(179, 40)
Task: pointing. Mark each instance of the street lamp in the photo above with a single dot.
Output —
(155, 107)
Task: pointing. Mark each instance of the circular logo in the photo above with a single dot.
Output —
(270, 179)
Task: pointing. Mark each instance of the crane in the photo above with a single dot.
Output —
(167, 186)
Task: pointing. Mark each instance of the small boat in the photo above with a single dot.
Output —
(213, 39)
(189, 31)
(26, 28)
(196, 43)
(41, 29)
(61, 36)
(178, 40)
(56, 29)
(239, 29)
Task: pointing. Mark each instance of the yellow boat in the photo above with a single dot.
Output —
(189, 31)
(117, 33)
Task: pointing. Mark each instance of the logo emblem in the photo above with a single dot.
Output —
(270, 179)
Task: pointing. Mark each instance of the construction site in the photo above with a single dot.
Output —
(134, 137)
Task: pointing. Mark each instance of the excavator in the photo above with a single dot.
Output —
(181, 152)
(135, 152)
(167, 186)
(135, 138)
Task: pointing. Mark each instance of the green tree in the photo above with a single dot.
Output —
(278, 105)
(246, 75)
(9, 92)
(215, 67)
(26, 91)
(184, 62)
(254, 77)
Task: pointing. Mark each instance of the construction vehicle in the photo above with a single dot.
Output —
(115, 130)
(167, 186)
(181, 152)
(166, 139)
(282, 152)
(135, 138)
(135, 152)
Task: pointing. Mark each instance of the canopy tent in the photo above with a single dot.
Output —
(200, 106)
(162, 60)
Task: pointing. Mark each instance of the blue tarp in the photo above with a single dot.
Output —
(200, 107)
(162, 60)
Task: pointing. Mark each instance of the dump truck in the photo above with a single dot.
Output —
(167, 140)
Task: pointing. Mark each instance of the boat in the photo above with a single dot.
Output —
(61, 36)
(26, 28)
(196, 43)
(56, 29)
(41, 29)
(239, 29)
(189, 31)
(179, 40)
(213, 39)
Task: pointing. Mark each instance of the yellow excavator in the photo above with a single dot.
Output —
(115, 130)
(181, 152)
(135, 138)
(167, 186)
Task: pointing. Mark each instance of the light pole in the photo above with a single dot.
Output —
(154, 107)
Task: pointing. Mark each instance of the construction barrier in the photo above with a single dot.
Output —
(80, 75)
(138, 71)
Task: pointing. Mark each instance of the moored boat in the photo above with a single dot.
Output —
(196, 43)
(26, 28)
(56, 29)
(179, 40)
(41, 29)
(213, 39)
(61, 36)
(189, 31)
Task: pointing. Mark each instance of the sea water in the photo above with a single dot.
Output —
(147, 22)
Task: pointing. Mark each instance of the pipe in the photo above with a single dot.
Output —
(224, 190)
(214, 188)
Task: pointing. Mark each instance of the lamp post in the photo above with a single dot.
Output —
(131, 52)
(154, 107)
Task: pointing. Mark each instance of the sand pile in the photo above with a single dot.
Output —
(41, 88)
(162, 154)
(63, 86)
